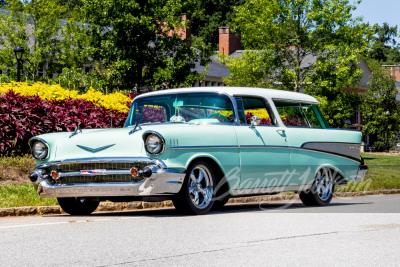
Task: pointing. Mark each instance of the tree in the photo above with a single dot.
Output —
(34, 25)
(381, 110)
(139, 41)
(301, 37)
(215, 13)
(72, 8)
(384, 47)
(13, 32)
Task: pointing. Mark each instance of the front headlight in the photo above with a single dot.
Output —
(154, 144)
(39, 150)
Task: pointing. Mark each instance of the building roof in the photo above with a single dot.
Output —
(216, 68)
(232, 91)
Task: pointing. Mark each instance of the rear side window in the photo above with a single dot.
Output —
(249, 107)
(294, 114)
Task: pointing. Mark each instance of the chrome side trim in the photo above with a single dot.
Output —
(257, 191)
(228, 147)
(202, 147)
(328, 153)
(272, 147)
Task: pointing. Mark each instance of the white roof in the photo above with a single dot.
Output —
(267, 93)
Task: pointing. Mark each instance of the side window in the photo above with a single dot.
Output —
(257, 107)
(312, 115)
(291, 114)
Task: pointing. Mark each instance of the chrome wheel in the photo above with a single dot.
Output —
(201, 187)
(324, 184)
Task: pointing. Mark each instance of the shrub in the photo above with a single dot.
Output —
(22, 117)
(116, 101)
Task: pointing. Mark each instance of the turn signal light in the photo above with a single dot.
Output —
(55, 175)
(134, 172)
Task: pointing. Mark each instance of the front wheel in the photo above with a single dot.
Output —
(78, 205)
(321, 191)
(197, 193)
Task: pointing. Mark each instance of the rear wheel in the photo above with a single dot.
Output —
(78, 205)
(321, 192)
(197, 193)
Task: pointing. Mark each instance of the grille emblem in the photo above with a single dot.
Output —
(92, 172)
(94, 150)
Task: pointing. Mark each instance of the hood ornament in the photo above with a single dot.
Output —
(135, 129)
(77, 131)
(94, 150)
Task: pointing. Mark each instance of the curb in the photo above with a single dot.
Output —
(126, 206)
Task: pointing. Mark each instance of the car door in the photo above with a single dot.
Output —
(264, 150)
(303, 124)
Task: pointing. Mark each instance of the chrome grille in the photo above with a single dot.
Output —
(93, 166)
(99, 179)
(114, 178)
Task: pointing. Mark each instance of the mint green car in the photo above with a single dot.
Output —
(199, 147)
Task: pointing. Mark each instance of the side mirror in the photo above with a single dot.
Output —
(255, 120)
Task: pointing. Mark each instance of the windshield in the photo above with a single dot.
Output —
(185, 107)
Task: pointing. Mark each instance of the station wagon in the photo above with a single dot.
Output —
(199, 147)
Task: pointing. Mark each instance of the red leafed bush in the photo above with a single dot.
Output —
(292, 121)
(22, 117)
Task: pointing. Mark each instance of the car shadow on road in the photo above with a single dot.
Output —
(232, 208)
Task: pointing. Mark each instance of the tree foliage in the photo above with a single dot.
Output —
(381, 110)
(138, 41)
(215, 13)
(300, 38)
(34, 25)
(383, 45)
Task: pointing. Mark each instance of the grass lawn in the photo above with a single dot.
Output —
(383, 173)
(18, 195)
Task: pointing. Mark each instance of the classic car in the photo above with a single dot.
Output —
(199, 147)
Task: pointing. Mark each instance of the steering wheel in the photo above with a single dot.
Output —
(219, 116)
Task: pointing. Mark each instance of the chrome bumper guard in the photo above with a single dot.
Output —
(362, 171)
(160, 181)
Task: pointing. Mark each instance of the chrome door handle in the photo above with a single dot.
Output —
(281, 131)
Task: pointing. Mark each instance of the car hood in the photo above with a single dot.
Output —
(100, 143)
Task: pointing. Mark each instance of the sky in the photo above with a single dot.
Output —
(379, 11)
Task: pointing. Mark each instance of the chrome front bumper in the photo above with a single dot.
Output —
(362, 171)
(161, 182)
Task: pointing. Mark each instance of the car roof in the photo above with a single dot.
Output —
(234, 91)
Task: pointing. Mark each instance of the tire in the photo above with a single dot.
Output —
(219, 204)
(79, 205)
(321, 192)
(196, 196)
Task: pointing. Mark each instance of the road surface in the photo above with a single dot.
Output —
(361, 231)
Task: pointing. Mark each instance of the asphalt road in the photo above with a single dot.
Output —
(361, 231)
